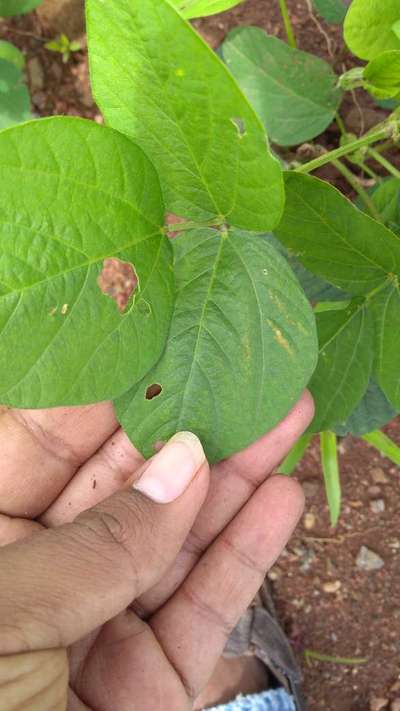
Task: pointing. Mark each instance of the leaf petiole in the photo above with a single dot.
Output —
(384, 162)
(288, 25)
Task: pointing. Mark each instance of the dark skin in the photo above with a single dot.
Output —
(128, 608)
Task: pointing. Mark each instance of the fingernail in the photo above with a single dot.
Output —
(168, 474)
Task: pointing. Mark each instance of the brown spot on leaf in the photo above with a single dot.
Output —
(118, 280)
(171, 219)
(153, 391)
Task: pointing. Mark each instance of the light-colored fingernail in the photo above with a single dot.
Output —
(168, 474)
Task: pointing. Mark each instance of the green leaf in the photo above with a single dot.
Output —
(333, 239)
(386, 308)
(382, 75)
(331, 10)
(12, 54)
(295, 455)
(14, 96)
(386, 198)
(293, 92)
(368, 27)
(72, 194)
(384, 445)
(241, 349)
(9, 8)
(330, 468)
(346, 341)
(372, 412)
(180, 104)
(203, 8)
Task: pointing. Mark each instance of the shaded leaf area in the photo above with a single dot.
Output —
(369, 27)
(9, 8)
(72, 194)
(15, 101)
(344, 365)
(203, 8)
(179, 102)
(386, 198)
(242, 347)
(372, 412)
(331, 10)
(334, 239)
(293, 92)
(385, 307)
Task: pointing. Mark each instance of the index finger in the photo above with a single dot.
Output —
(42, 449)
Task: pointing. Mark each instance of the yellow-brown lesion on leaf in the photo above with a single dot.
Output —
(118, 280)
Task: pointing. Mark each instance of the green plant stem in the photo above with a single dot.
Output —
(310, 655)
(352, 180)
(288, 25)
(371, 173)
(182, 226)
(384, 445)
(345, 150)
(295, 455)
(384, 162)
(330, 467)
(341, 126)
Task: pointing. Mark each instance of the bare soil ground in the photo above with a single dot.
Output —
(326, 602)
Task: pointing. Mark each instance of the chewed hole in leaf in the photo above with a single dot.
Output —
(118, 280)
(153, 391)
(240, 126)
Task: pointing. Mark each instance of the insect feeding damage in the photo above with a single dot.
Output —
(118, 280)
(153, 391)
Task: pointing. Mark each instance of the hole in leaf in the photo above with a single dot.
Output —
(153, 391)
(240, 126)
(118, 280)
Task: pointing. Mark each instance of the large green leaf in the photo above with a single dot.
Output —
(386, 309)
(371, 413)
(369, 27)
(293, 92)
(12, 54)
(331, 10)
(9, 8)
(334, 239)
(14, 96)
(382, 75)
(346, 341)
(72, 194)
(386, 198)
(203, 8)
(241, 348)
(156, 80)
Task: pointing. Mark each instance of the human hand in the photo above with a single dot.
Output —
(142, 594)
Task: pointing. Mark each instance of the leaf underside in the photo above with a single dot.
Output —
(293, 92)
(177, 100)
(241, 348)
(73, 194)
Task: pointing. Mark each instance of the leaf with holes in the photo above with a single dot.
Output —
(203, 8)
(73, 194)
(9, 8)
(15, 102)
(386, 308)
(334, 239)
(180, 104)
(372, 412)
(293, 92)
(241, 349)
(370, 27)
(346, 351)
(331, 10)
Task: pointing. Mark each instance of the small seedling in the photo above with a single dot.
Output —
(64, 46)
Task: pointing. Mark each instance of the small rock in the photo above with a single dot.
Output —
(374, 490)
(274, 574)
(309, 521)
(36, 74)
(310, 488)
(378, 703)
(368, 560)
(332, 587)
(395, 705)
(377, 506)
(378, 476)
(308, 559)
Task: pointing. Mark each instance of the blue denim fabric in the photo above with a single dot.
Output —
(273, 700)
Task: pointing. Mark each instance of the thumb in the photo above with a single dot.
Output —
(60, 584)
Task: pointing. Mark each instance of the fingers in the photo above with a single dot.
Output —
(42, 449)
(59, 585)
(232, 483)
(108, 471)
(194, 625)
